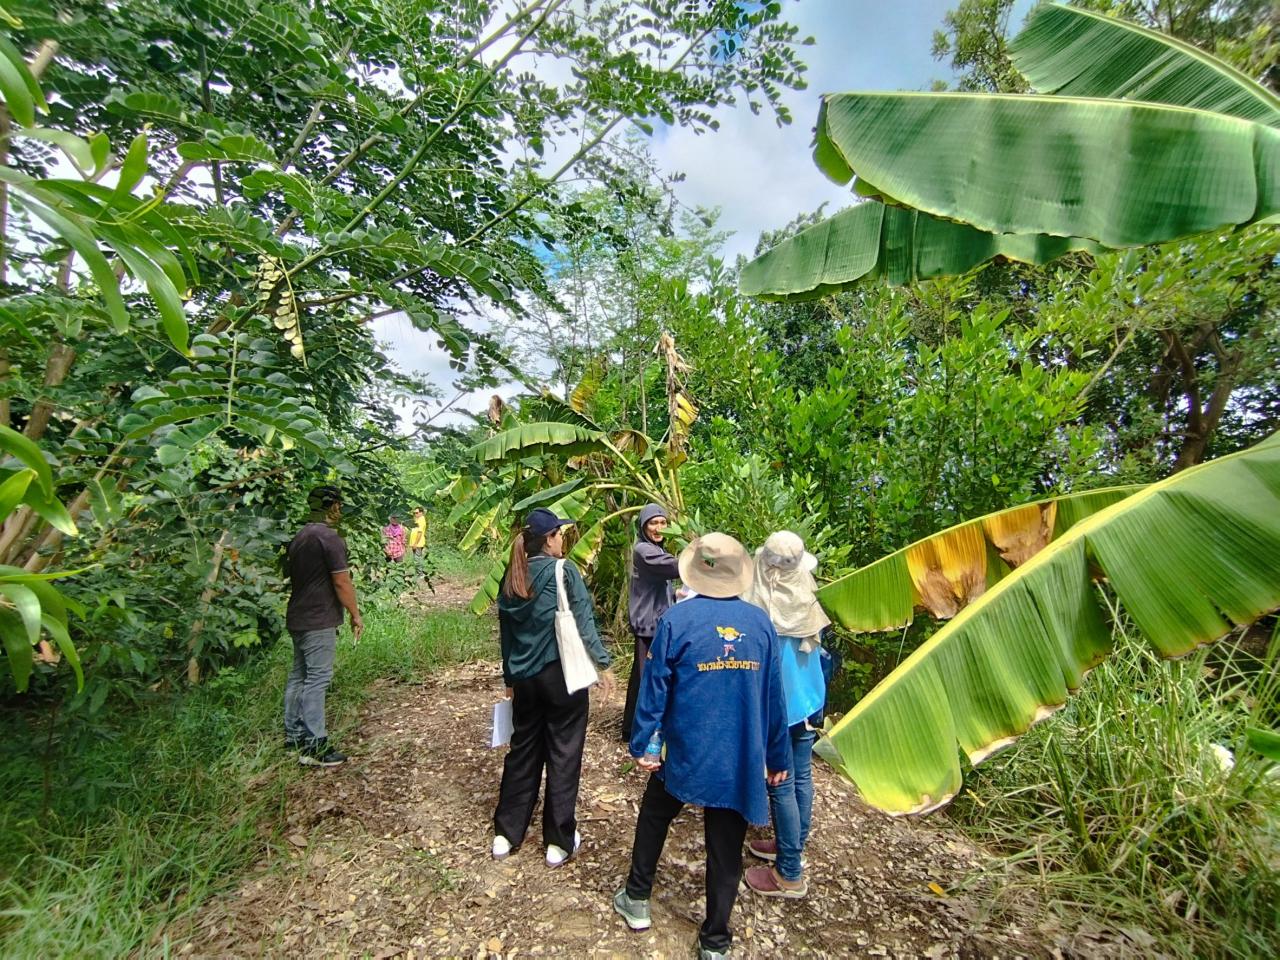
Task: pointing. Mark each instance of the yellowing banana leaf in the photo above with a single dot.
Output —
(1078, 53)
(589, 386)
(1186, 557)
(876, 241)
(531, 439)
(943, 573)
(1032, 164)
(587, 548)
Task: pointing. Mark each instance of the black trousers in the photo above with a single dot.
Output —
(641, 648)
(550, 728)
(723, 830)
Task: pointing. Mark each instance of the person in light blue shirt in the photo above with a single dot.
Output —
(712, 693)
(783, 586)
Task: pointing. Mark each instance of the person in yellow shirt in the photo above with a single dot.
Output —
(418, 532)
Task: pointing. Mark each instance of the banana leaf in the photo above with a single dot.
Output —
(1187, 558)
(875, 241)
(1077, 53)
(551, 493)
(944, 572)
(574, 505)
(533, 439)
(1265, 743)
(1032, 164)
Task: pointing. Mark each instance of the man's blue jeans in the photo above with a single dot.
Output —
(313, 652)
(791, 804)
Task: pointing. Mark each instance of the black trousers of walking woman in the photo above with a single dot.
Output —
(723, 830)
(550, 729)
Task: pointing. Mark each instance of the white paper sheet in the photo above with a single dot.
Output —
(502, 724)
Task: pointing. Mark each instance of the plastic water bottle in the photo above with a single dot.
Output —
(653, 749)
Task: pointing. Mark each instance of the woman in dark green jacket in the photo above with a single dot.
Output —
(550, 723)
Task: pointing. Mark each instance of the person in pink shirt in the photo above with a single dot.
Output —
(393, 535)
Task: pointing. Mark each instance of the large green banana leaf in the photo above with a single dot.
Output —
(533, 439)
(1187, 557)
(1078, 53)
(945, 572)
(875, 241)
(1114, 171)
(1147, 140)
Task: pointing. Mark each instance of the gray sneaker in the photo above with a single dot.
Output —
(705, 954)
(635, 912)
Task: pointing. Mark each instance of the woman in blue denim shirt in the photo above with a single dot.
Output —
(783, 586)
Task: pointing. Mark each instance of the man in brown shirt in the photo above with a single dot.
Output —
(320, 588)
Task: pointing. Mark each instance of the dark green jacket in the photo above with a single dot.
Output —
(527, 628)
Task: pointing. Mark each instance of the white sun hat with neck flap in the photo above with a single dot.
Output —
(784, 587)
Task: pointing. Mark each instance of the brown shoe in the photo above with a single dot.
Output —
(766, 882)
(764, 849)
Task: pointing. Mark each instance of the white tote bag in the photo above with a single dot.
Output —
(579, 671)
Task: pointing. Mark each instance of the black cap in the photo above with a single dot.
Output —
(542, 521)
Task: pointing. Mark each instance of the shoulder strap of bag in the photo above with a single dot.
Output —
(562, 600)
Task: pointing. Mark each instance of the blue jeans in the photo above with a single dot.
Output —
(791, 804)
(313, 653)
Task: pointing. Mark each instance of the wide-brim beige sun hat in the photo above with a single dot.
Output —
(716, 565)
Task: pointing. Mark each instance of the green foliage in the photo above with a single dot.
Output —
(1038, 172)
(1125, 801)
(744, 495)
(186, 344)
(105, 833)
(1189, 558)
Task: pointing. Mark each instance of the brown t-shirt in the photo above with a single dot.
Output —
(315, 555)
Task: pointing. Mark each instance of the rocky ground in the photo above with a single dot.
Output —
(388, 856)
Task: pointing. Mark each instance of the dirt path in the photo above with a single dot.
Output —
(388, 856)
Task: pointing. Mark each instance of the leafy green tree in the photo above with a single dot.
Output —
(298, 169)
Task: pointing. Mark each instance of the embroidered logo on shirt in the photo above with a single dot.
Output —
(728, 635)
(727, 660)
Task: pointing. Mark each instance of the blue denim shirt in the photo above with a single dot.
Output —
(713, 685)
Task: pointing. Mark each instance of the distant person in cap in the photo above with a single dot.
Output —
(550, 724)
(652, 570)
(712, 694)
(320, 589)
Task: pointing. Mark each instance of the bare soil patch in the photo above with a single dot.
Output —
(388, 856)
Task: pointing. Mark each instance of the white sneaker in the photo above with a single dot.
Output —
(556, 855)
(501, 847)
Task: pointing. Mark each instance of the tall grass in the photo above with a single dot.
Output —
(1126, 805)
(154, 811)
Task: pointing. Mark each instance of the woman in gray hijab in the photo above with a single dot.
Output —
(652, 570)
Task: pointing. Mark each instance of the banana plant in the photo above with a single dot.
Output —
(954, 179)
(562, 459)
(1187, 558)
(524, 465)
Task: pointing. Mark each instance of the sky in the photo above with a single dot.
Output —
(760, 175)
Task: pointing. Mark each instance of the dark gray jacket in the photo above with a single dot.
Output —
(652, 570)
